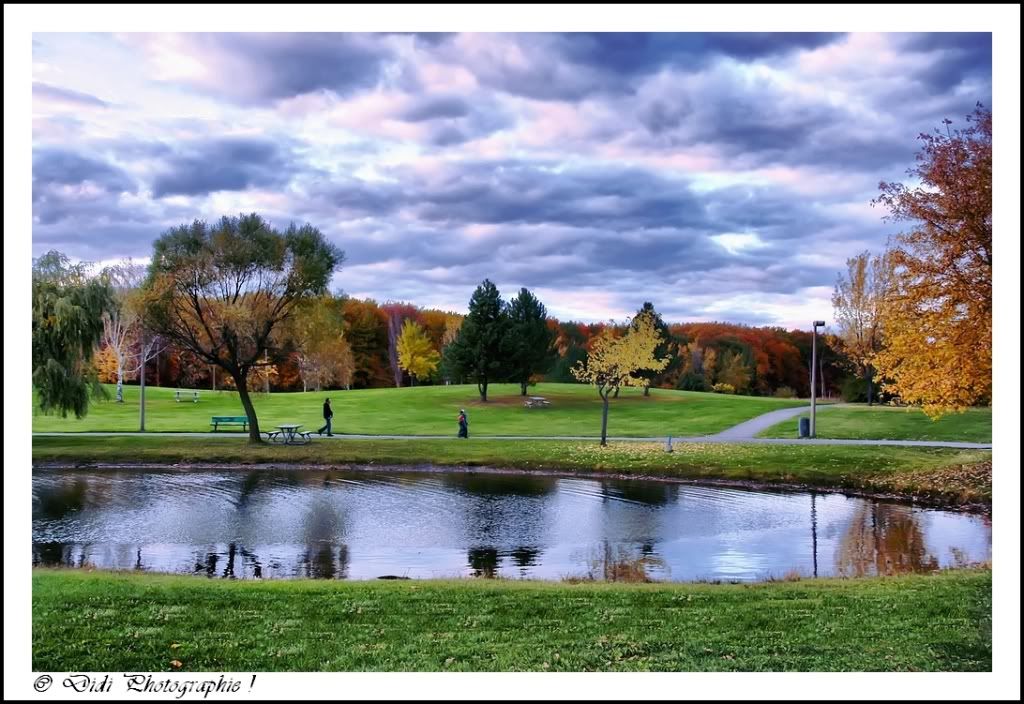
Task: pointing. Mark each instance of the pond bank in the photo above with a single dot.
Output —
(938, 477)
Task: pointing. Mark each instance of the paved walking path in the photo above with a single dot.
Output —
(748, 430)
(700, 439)
(745, 432)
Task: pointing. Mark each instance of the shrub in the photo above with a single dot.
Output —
(854, 389)
(724, 389)
(784, 392)
(692, 382)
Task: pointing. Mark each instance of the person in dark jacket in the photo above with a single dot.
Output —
(328, 414)
(463, 424)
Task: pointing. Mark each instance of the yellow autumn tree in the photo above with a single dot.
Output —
(614, 362)
(416, 354)
(937, 316)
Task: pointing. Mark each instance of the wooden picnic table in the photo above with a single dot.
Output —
(288, 434)
(537, 402)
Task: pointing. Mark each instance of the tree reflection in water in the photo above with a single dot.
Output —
(483, 561)
(319, 562)
(622, 565)
(883, 539)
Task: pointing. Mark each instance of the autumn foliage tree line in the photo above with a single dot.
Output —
(339, 342)
(239, 304)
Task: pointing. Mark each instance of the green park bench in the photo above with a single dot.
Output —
(229, 420)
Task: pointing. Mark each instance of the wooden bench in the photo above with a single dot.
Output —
(230, 420)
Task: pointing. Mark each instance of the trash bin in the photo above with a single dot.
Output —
(805, 428)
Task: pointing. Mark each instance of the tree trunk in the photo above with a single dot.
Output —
(120, 384)
(481, 386)
(604, 419)
(142, 399)
(647, 390)
(522, 387)
(250, 411)
(616, 395)
(871, 374)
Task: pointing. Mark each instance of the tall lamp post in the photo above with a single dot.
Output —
(814, 368)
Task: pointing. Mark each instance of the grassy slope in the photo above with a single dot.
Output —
(432, 410)
(904, 470)
(888, 423)
(85, 621)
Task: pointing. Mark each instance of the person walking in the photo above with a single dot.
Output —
(463, 424)
(328, 414)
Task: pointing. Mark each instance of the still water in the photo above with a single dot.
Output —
(358, 524)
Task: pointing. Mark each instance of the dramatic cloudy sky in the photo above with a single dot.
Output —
(721, 176)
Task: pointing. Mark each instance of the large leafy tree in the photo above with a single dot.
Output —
(938, 315)
(857, 303)
(531, 341)
(416, 353)
(617, 361)
(221, 290)
(67, 325)
(479, 350)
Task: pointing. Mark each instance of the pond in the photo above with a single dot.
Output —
(365, 524)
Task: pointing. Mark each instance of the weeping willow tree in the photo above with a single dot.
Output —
(67, 325)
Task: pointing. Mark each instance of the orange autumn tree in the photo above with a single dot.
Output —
(937, 316)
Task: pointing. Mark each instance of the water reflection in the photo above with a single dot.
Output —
(642, 492)
(341, 524)
(324, 561)
(619, 564)
(483, 561)
(884, 539)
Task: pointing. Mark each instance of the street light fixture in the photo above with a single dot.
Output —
(814, 367)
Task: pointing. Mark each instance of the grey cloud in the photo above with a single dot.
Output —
(52, 165)
(954, 57)
(253, 68)
(224, 164)
(46, 91)
(627, 53)
(572, 66)
(433, 107)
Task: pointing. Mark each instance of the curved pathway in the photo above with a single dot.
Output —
(748, 430)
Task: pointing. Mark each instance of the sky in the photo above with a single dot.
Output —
(721, 176)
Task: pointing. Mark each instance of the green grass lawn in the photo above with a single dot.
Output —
(95, 621)
(432, 410)
(888, 423)
(941, 475)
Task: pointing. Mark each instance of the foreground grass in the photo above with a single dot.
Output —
(432, 410)
(940, 475)
(84, 621)
(888, 423)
